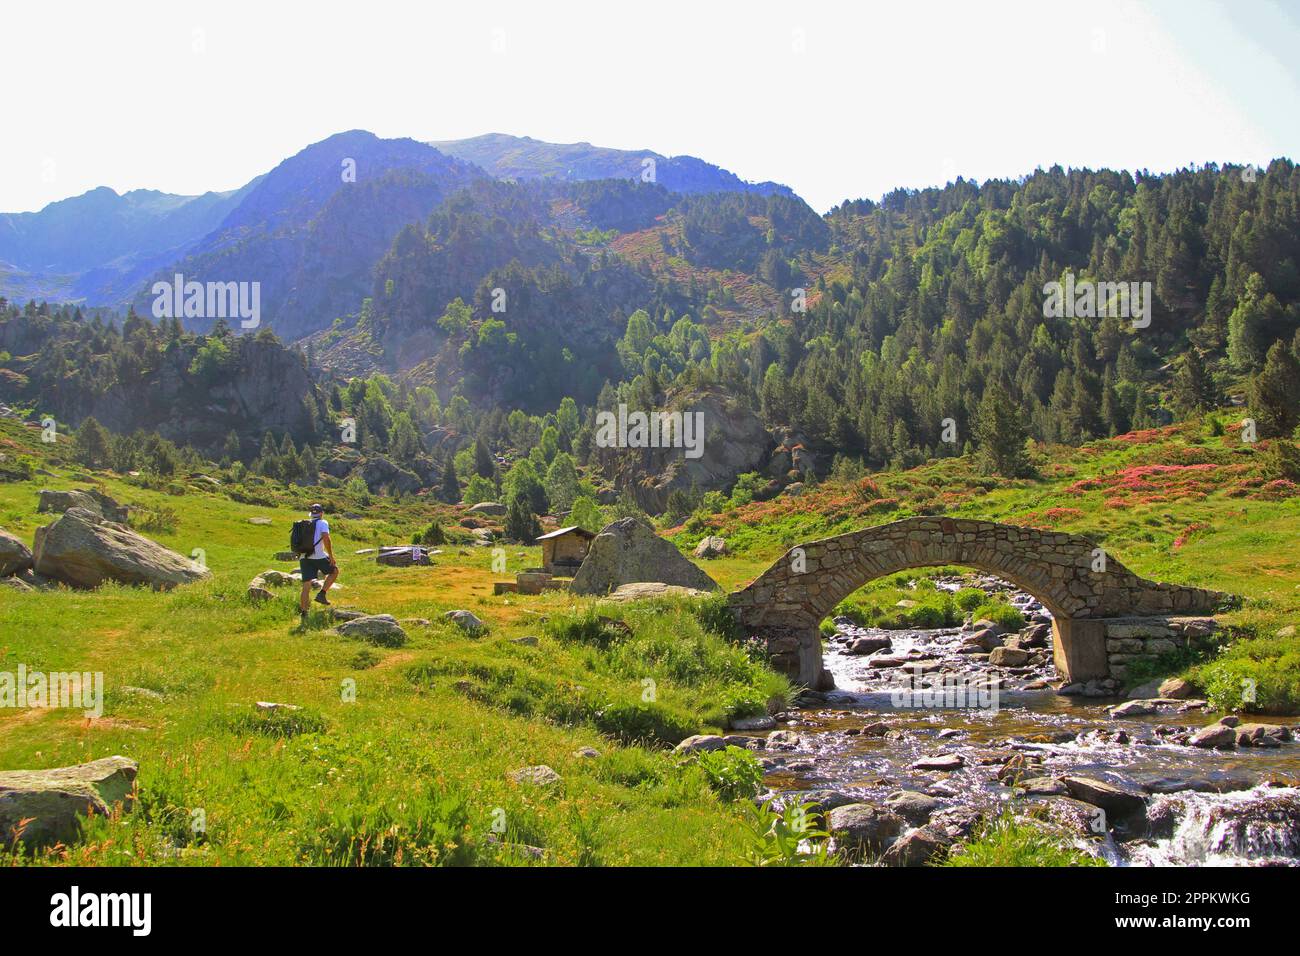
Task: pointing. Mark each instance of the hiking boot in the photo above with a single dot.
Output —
(321, 599)
(302, 618)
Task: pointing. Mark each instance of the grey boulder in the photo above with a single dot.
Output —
(83, 549)
(628, 551)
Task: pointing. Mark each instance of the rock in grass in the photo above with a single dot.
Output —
(380, 629)
(466, 621)
(711, 546)
(538, 776)
(586, 753)
(14, 555)
(528, 641)
(700, 742)
(83, 549)
(48, 805)
(270, 707)
(862, 827)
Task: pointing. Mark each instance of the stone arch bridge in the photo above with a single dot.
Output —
(1073, 579)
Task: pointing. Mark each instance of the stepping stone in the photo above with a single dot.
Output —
(944, 762)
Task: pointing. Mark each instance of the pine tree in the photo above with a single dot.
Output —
(521, 523)
(1001, 435)
(90, 444)
(1275, 394)
(450, 485)
(1193, 388)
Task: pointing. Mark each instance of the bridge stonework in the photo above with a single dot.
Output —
(785, 604)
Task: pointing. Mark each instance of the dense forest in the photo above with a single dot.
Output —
(883, 333)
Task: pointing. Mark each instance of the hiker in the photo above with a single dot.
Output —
(320, 561)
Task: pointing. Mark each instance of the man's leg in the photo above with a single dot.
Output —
(329, 581)
(304, 600)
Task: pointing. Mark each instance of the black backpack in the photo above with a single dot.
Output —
(302, 536)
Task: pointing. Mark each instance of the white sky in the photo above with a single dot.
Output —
(187, 97)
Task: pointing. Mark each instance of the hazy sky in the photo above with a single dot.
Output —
(839, 101)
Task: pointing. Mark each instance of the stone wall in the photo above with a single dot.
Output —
(1133, 639)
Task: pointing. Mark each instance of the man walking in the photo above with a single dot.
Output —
(320, 562)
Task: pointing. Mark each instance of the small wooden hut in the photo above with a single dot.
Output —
(564, 550)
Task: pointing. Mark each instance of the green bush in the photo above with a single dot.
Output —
(968, 599)
(1000, 613)
(733, 773)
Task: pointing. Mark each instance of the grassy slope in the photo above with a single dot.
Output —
(436, 726)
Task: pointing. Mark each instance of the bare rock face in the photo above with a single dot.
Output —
(14, 556)
(628, 551)
(85, 550)
(53, 802)
(733, 442)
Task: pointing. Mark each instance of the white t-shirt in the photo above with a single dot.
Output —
(322, 529)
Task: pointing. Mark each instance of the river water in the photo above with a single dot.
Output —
(863, 743)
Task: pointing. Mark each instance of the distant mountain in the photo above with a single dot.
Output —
(522, 157)
(98, 246)
(312, 229)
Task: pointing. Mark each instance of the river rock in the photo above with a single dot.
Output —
(943, 762)
(54, 801)
(868, 645)
(1215, 737)
(14, 556)
(83, 549)
(913, 807)
(629, 550)
(1043, 787)
(916, 848)
(986, 638)
(1119, 800)
(760, 722)
(1175, 688)
(861, 827)
(381, 629)
(1008, 657)
(826, 799)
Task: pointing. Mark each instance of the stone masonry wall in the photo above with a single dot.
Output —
(1134, 639)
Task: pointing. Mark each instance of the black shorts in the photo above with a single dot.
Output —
(313, 568)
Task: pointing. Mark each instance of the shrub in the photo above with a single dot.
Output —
(158, 519)
(432, 535)
(281, 722)
(791, 837)
(1000, 613)
(739, 701)
(968, 599)
(733, 773)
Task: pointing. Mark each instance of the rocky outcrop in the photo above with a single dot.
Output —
(733, 442)
(44, 807)
(628, 551)
(57, 502)
(14, 555)
(85, 550)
